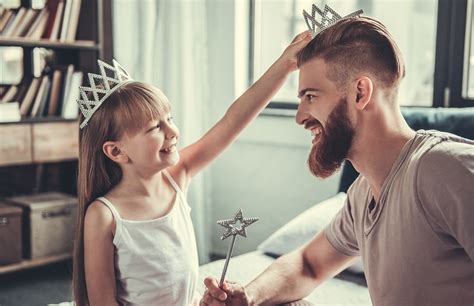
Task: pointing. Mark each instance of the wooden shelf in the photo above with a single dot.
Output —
(31, 263)
(29, 120)
(46, 43)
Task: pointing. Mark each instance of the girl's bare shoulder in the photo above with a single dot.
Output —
(99, 217)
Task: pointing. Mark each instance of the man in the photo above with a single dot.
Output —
(409, 214)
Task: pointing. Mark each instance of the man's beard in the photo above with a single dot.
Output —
(334, 144)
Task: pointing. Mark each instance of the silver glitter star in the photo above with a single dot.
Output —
(231, 229)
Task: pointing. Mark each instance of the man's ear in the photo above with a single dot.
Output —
(114, 152)
(364, 90)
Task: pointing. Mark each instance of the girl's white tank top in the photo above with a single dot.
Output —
(156, 261)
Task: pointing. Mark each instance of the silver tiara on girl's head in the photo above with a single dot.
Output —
(329, 17)
(101, 86)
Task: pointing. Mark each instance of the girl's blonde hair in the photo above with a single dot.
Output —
(126, 111)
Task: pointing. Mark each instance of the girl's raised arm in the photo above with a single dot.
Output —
(198, 155)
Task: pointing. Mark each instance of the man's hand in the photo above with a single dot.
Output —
(231, 294)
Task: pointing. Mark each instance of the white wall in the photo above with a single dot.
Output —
(264, 172)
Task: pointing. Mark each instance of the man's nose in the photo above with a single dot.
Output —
(300, 117)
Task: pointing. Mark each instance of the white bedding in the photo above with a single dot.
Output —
(345, 289)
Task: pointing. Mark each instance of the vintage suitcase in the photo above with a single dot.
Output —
(10, 234)
(48, 223)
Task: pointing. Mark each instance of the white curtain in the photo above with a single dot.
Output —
(164, 42)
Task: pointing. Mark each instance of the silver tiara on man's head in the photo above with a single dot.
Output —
(329, 17)
(101, 86)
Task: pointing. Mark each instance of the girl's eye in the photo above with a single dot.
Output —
(157, 127)
(170, 118)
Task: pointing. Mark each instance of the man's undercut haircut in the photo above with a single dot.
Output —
(355, 45)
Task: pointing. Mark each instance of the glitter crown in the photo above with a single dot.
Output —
(101, 86)
(329, 17)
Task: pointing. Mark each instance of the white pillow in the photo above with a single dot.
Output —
(304, 227)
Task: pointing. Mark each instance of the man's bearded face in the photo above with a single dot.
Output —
(333, 144)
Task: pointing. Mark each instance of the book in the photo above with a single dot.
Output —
(70, 109)
(55, 91)
(27, 102)
(21, 92)
(43, 108)
(10, 112)
(37, 28)
(9, 24)
(7, 16)
(66, 84)
(16, 21)
(73, 20)
(39, 97)
(65, 23)
(10, 94)
(25, 23)
(57, 21)
(51, 6)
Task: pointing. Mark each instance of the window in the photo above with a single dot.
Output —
(277, 22)
(468, 76)
(437, 62)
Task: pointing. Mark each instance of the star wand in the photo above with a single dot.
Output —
(233, 229)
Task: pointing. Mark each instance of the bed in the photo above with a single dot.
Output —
(345, 289)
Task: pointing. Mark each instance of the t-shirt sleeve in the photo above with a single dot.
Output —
(445, 185)
(340, 231)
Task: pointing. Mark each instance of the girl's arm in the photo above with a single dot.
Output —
(198, 155)
(99, 226)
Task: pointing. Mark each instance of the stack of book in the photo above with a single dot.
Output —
(10, 112)
(49, 95)
(58, 20)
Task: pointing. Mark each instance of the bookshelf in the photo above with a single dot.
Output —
(39, 153)
(46, 43)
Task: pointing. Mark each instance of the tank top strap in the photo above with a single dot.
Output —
(112, 209)
(174, 184)
(118, 219)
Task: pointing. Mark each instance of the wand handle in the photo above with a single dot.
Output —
(229, 254)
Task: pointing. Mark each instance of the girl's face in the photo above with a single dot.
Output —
(153, 147)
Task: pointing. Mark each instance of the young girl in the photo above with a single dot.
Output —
(135, 242)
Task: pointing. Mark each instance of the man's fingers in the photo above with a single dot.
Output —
(232, 289)
(214, 290)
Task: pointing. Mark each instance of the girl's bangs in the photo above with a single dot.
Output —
(139, 104)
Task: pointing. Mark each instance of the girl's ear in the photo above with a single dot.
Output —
(114, 152)
(364, 90)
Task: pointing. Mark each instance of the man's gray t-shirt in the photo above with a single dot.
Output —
(417, 242)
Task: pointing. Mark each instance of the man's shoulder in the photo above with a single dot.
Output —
(434, 138)
(447, 164)
(446, 152)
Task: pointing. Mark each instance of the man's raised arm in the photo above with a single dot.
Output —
(291, 277)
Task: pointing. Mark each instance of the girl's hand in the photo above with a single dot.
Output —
(231, 294)
(298, 43)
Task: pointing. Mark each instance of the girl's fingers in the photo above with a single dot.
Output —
(214, 290)
(302, 36)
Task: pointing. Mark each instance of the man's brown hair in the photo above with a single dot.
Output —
(354, 45)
